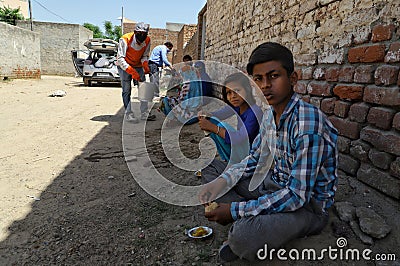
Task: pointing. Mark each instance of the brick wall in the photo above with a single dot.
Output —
(192, 46)
(184, 37)
(19, 53)
(348, 58)
(158, 36)
(56, 42)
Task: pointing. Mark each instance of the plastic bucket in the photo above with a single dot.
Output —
(146, 91)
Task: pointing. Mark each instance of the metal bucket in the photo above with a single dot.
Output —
(146, 91)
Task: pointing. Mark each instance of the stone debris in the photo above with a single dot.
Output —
(371, 223)
(366, 239)
(364, 222)
(346, 211)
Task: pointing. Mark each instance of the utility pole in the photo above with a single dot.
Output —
(122, 20)
(30, 14)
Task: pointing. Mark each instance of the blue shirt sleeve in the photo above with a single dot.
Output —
(164, 56)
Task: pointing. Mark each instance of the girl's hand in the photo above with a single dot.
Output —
(206, 125)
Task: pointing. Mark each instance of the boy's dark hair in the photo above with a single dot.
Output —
(244, 81)
(271, 51)
(187, 57)
(169, 44)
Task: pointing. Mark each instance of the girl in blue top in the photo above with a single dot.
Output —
(237, 93)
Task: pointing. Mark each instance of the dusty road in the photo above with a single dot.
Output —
(68, 197)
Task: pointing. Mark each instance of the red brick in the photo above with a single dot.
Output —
(386, 75)
(380, 159)
(301, 87)
(358, 112)
(346, 128)
(380, 95)
(395, 168)
(382, 33)
(396, 121)
(319, 88)
(381, 117)
(349, 92)
(343, 144)
(393, 55)
(348, 164)
(398, 80)
(319, 73)
(328, 105)
(342, 109)
(299, 73)
(346, 74)
(364, 74)
(316, 101)
(360, 149)
(380, 180)
(388, 141)
(306, 98)
(367, 54)
(332, 74)
(308, 73)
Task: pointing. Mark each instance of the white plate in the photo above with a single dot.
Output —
(208, 229)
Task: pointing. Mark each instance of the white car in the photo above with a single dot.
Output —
(99, 64)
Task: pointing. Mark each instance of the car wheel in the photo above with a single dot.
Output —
(87, 82)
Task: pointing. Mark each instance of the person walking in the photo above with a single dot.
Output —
(158, 58)
(132, 59)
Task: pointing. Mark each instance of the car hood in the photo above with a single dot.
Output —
(101, 44)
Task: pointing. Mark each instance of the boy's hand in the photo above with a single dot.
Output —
(221, 215)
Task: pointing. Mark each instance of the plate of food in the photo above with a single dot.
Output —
(200, 232)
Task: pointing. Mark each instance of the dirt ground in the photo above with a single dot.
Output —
(68, 197)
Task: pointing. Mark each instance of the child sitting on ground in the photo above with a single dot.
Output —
(237, 93)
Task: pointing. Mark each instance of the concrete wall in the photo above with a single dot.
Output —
(19, 53)
(347, 54)
(56, 42)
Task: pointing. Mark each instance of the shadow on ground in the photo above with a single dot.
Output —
(94, 213)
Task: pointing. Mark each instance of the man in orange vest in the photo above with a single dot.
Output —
(132, 58)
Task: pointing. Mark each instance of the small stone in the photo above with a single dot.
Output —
(366, 239)
(142, 235)
(371, 223)
(346, 211)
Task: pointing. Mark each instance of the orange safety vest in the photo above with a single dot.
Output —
(134, 53)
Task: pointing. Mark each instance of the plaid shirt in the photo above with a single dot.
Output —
(304, 162)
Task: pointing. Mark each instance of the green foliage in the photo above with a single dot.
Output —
(10, 15)
(97, 33)
(112, 31)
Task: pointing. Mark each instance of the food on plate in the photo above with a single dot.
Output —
(212, 206)
(199, 232)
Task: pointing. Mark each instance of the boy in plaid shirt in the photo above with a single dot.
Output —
(297, 190)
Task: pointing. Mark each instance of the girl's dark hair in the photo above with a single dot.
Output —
(271, 51)
(244, 81)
